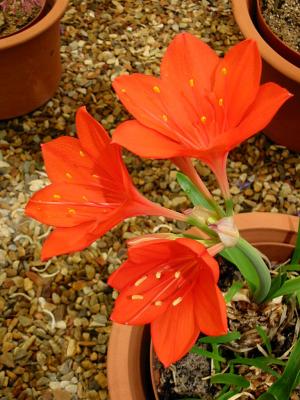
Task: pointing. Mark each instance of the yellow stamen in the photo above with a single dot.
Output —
(57, 196)
(191, 82)
(95, 176)
(123, 90)
(165, 117)
(158, 303)
(140, 281)
(177, 274)
(224, 71)
(156, 89)
(158, 275)
(68, 175)
(137, 297)
(71, 211)
(81, 153)
(221, 102)
(84, 198)
(177, 301)
(203, 119)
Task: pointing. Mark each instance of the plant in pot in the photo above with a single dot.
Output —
(278, 66)
(30, 67)
(196, 110)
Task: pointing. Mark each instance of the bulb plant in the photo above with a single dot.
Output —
(200, 108)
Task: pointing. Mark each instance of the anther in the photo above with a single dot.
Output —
(84, 198)
(71, 211)
(156, 89)
(177, 274)
(123, 90)
(191, 82)
(203, 119)
(158, 275)
(177, 301)
(221, 102)
(140, 281)
(137, 297)
(81, 153)
(95, 176)
(165, 117)
(224, 71)
(158, 303)
(57, 196)
(68, 175)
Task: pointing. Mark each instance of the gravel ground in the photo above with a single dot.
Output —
(54, 316)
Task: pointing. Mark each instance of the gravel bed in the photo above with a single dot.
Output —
(54, 316)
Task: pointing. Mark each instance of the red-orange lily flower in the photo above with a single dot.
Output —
(202, 106)
(91, 190)
(171, 284)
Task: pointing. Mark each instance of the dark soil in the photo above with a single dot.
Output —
(283, 17)
(184, 379)
(15, 17)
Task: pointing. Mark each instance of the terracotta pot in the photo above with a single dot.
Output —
(30, 67)
(284, 128)
(274, 41)
(129, 347)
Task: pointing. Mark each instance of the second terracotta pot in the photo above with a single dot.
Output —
(30, 67)
(284, 128)
(129, 347)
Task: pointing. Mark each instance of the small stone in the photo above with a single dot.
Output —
(101, 379)
(257, 186)
(4, 167)
(90, 272)
(28, 284)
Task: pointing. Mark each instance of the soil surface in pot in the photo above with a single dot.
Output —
(15, 15)
(283, 17)
(188, 378)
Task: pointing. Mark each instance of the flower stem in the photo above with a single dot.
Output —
(261, 269)
(204, 228)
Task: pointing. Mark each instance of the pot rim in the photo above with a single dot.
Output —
(120, 356)
(38, 28)
(248, 29)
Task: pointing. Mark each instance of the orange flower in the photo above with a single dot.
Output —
(91, 189)
(201, 107)
(171, 284)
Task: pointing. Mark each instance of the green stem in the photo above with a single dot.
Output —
(204, 228)
(229, 207)
(261, 269)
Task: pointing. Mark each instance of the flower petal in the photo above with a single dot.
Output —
(69, 240)
(210, 307)
(93, 137)
(146, 142)
(174, 332)
(66, 161)
(189, 64)
(66, 205)
(269, 99)
(237, 79)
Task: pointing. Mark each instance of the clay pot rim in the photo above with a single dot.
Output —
(122, 380)
(49, 19)
(243, 19)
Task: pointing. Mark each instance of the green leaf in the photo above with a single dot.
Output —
(215, 350)
(220, 339)
(290, 286)
(228, 395)
(283, 387)
(230, 379)
(206, 353)
(296, 254)
(259, 362)
(242, 262)
(234, 288)
(290, 267)
(196, 197)
(265, 338)
(276, 284)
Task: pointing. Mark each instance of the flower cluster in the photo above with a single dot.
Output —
(201, 107)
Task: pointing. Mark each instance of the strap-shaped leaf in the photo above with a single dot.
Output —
(296, 254)
(230, 379)
(220, 339)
